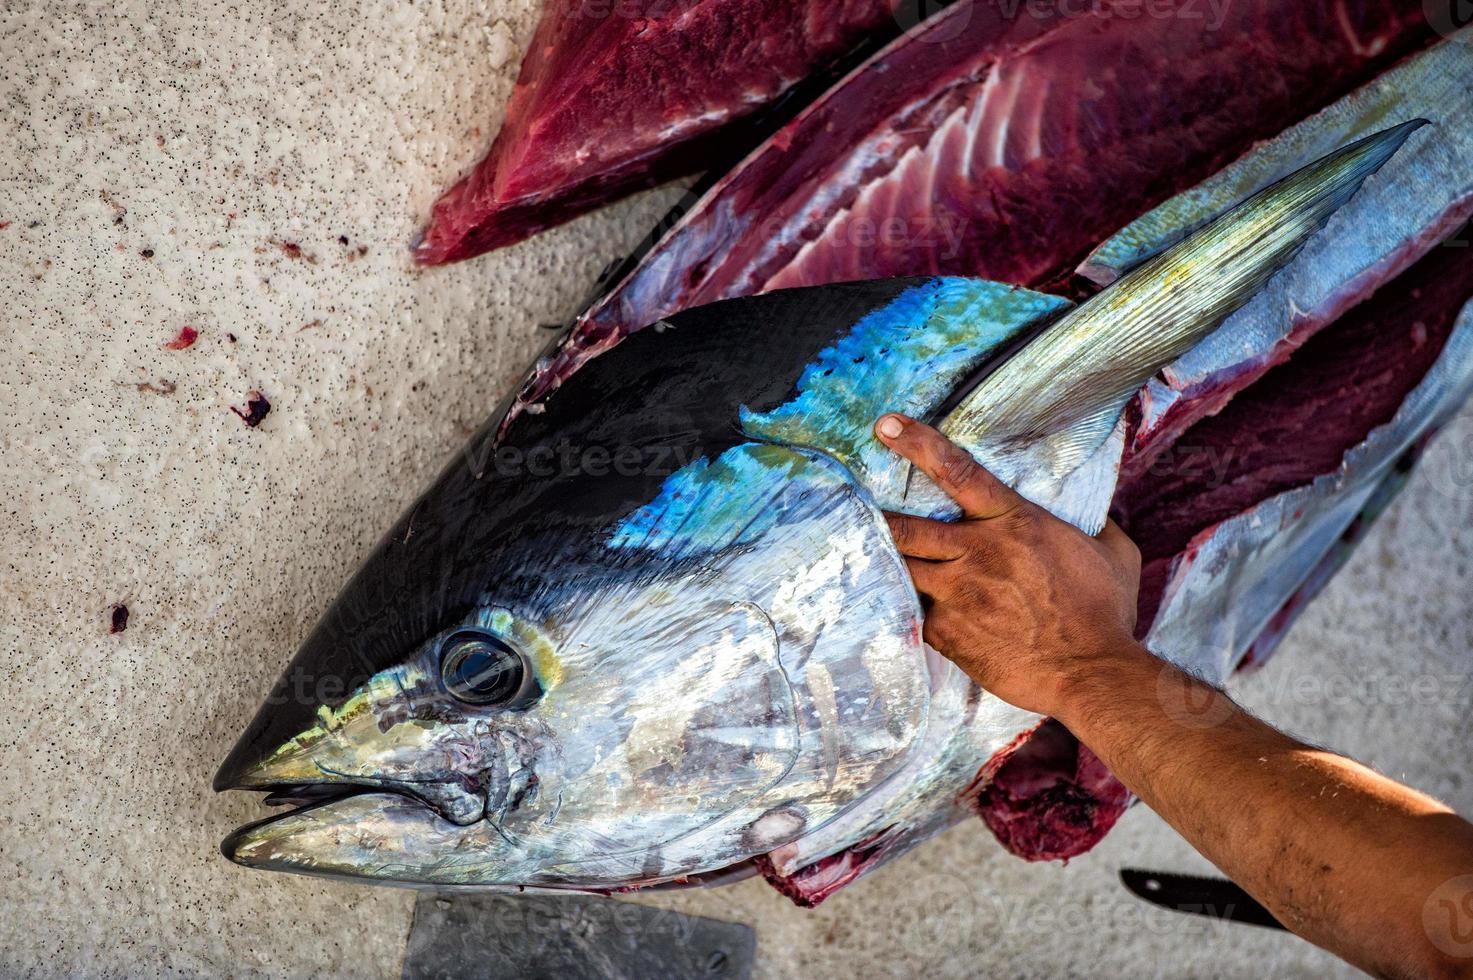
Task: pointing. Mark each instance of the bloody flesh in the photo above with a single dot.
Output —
(615, 95)
(1051, 798)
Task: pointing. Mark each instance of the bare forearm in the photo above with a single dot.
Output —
(1343, 856)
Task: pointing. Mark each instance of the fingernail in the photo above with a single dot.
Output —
(890, 427)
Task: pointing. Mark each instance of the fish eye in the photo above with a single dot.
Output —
(482, 669)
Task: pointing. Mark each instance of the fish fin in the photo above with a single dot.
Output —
(1082, 495)
(1093, 359)
(1130, 249)
(1060, 453)
(1047, 422)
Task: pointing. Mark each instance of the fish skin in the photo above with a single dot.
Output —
(728, 656)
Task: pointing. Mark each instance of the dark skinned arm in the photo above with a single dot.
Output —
(1043, 616)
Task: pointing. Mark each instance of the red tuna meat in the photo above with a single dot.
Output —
(1050, 797)
(617, 95)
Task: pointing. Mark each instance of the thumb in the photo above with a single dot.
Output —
(980, 494)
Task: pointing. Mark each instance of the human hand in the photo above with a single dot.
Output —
(1020, 600)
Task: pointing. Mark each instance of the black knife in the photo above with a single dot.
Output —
(1216, 898)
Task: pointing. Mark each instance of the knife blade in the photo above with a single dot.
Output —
(1216, 898)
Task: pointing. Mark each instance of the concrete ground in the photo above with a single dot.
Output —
(255, 170)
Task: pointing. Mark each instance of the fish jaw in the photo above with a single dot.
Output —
(386, 837)
(391, 839)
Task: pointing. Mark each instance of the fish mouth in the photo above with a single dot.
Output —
(296, 796)
(277, 842)
(291, 800)
(336, 824)
(461, 800)
(346, 830)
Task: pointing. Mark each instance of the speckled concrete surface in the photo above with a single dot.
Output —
(255, 171)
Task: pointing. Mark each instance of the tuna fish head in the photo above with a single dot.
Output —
(625, 643)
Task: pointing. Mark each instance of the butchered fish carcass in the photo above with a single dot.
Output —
(656, 631)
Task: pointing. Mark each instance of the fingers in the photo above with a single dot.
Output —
(980, 494)
(916, 537)
(929, 577)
